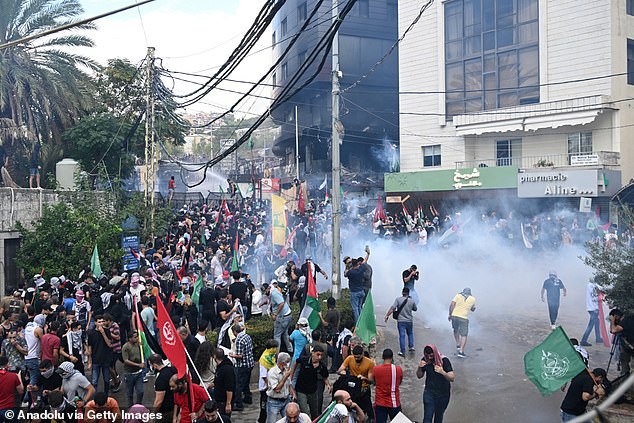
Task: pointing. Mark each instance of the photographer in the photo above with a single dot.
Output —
(410, 276)
(624, 326)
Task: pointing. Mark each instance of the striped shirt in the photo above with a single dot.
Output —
(388, 378)
(115, 344)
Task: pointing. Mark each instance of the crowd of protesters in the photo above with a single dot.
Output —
(73, 341)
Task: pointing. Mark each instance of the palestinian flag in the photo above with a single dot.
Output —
(326, 414)
(143, 344)
(198, 286)
(235, 262)
(311, 308)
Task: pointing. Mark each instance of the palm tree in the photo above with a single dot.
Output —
(44, 86)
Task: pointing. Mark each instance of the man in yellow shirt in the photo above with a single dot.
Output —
(360, 366)
(459, 310)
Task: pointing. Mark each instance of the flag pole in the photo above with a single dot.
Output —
(196, 371)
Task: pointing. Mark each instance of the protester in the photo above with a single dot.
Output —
(437, 392)
(345, 409)
(592, 306)
(281, 315)
(267, 361)
(244, 367)
(225, 382)
(293, 414)
(402, 310)
(360, 366)
(410, 276)
(582, 389)
(189, 399)
(552, 287)
(310, 369)
(212, 414)
(102, 409)
(10, 383)
(461, 305)
(387, 377)
(278, 388)
(163, 395)
(133, 367)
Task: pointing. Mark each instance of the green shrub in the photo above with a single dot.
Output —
(260, 328)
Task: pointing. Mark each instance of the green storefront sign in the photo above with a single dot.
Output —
(452, 179)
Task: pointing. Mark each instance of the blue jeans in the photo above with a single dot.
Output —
(33, 366)
(381, 413)
(434, 407)
(105, 371)
(356, 301)
(405, 328)
(593, 323)
(280, 332)
(275, 409)
(134, 382)
(243, 377)
(553, 311)
(566, 417)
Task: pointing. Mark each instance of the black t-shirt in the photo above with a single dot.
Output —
(553, 287)
(223, 305)
(332, 318)
(49, 384)
(100, 352)
(207, 299)
(308, 375)
(627, 323)
(573, 403)
(435, 383)
(239, 290)
(162, 384)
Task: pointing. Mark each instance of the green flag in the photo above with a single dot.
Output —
(95, 265)
(198, 286)
(553, 363)
(366, 325)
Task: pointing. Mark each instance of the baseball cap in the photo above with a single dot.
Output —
(466, 291)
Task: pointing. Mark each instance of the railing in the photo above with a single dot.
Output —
(598, 158)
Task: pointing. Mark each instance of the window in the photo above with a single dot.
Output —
(301, 57)
(491, 54)
(284, 27)
(284, 71)
(508, 152)
(392, 10)
(273, 39)
(630, 62)
(431, 156)
(274, 80)
(302, 12)
(579, 143)
(361, 8)
(629, 7)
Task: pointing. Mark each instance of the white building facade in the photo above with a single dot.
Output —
(543, 86)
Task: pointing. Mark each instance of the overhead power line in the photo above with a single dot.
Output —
(70, 25)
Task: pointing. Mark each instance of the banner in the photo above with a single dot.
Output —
(170, 341)
(278, 219)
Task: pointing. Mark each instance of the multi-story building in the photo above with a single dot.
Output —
(516, 99)
(369, 110)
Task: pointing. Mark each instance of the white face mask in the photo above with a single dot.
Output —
(48, 373)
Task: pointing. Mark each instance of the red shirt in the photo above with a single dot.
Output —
(50, 342)
(388, 378)
(182, 400)
(8, 382)
(171, 184)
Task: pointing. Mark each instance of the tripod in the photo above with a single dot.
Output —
(616, 341)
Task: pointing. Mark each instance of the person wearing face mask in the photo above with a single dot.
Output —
(47, 381)
(437, 392)
(75, 384)
(72, 347)
(61, 407)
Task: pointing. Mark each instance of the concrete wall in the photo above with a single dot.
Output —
(26, 206)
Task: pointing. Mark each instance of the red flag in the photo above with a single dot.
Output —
(170, 341)
(301, 204)
(379, 212)
(225, 208)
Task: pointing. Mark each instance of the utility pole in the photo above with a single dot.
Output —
(336, 166)
(296, 145)
(150, 148)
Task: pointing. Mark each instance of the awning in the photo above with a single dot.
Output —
(625, 195)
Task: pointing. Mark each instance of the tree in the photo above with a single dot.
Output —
(43, 85)
(63, 239)
(614, 269)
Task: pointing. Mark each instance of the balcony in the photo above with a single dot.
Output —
(596, 159)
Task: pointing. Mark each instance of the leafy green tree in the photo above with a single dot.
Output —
(614, 270)
(43, 84)
(63, 239)
(103, 139)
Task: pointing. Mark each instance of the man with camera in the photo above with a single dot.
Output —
(410, 276)
(624, 327)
